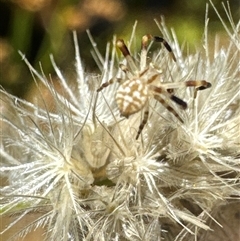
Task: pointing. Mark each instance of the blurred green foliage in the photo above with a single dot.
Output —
(41, 27)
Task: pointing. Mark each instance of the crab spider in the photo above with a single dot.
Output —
(134, 92)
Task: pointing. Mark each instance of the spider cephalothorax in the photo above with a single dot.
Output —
(134, 92)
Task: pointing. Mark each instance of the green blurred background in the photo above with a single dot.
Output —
(41, 27)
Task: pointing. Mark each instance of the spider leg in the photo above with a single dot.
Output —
(143, 56)
(124, 68)
(198, 84)
(144, 121)
(125, 51)
(178, 101)
(168, 107)
(166, 45)
(152, 78)
(144, 44)
(169, 95)
(106, 84)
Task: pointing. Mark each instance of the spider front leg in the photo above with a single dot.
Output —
(166, 45)
(144, 47)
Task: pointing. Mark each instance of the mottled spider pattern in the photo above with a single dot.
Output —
(144, 83)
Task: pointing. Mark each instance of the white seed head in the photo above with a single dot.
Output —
(81, 174)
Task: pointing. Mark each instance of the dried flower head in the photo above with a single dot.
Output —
(82, 171)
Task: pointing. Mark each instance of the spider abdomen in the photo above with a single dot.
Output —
(131, 97)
